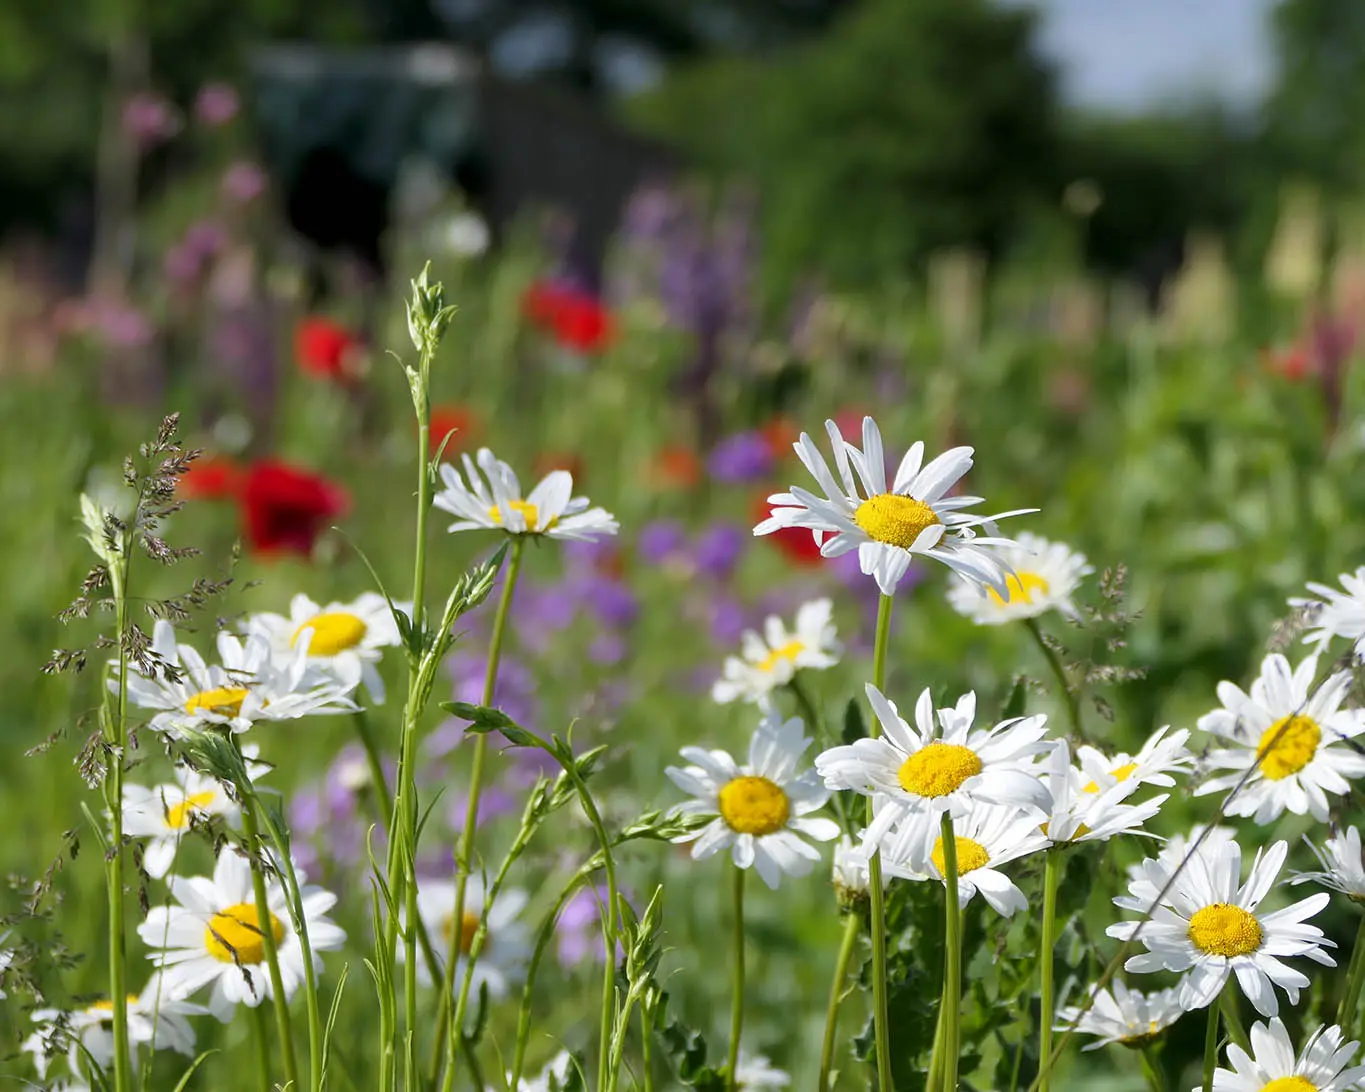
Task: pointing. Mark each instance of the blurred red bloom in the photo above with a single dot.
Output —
(797, 543)
(576, 319)
(547, 461)
(1294, 363)
(211, 477)
(285, 508)
(676, 467)
(780, 433)
(458, 423)
(326, 349)
(850, 422)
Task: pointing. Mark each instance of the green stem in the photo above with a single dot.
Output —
(379, 784)
(737, 984)
(952, 976)
(1052, 873)
(116, 736)
(1211, 1048)
(880, 1018)
(935, 1081)
(266, 927)
(816, 723)
(262, 1037)
(836, 993)
(1073, 708)
(1355, 979)
(1151, 1069)
(1232, 1020)
(447, 1029)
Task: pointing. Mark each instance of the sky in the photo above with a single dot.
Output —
(1130, 54)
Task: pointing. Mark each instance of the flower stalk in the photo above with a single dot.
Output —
(836, 994)
(1052, 858)
(880, 1012)
(737, 983)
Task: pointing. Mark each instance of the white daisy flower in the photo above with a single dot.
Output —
(1209, 926)
(491, 499)
(763, 808)
(889, 527)
(553, 1077)
(1126, 1016)
(1076, 814)
(756, 1071)
(349, 637)
(1041, 577)
(1291, 737)
(990, 835)
(506, 949)
(774, 658)
(1343, 867)
(164, 813)
(154, 1018)
(1336, 613)
(1161, 756)
(6, 958)
(1324, 1064)
(920, 769)
(852, 873)
(249, 685)
(1177, 847)
(212, 936)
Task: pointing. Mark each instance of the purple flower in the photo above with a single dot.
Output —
(494, 801)
(728, 620)
(607, 648)
(149, 119)
(122, 327)
(743, 457)
(717, 550)
(514, 694)
(661, 540)
(541, 612)
(578, 932)
(216, 104)
(243, 182)
(611, 601)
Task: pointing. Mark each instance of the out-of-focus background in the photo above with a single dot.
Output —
(1116, 245)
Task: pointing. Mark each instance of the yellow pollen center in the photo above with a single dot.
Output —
(1225, 930)
(178, 815)
(529, 512)
(938, 769)
(970, 856)
(333, 632)
(1292, 751)
(469, 925)
(223, 700)
(105, 1009)
(1123, 773)
(1290, 1084)
(234, 935)
(894, 519)
(786, 654)
(754, 805)
(1019, 588)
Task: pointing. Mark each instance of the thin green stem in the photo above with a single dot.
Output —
(447, 1029)
(880, 1017)
(1052, 874)
(266, 926)
(378, 783)
(1232, 1020)
(1211, 1047)
(952, 975)
(935, 1081)
(1355, 979)
(836, 994)
(737, 984)
(1073, 707)
(1151, 1069)
(116, 736)
(811, 715)
(261, 1023)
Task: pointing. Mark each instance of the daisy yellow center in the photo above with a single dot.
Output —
(893, 519)
(754, 805)
(528, 511)
(1225, 930)
(970, 856)
(1290, 1084)
(938, 769)
(1292, 751)
(234, 935)
(1123, 773)
(1080, 832)
(469, 925)
(223, 700)
(178, 815)
(786, 654)
(1019, 588)
(333, 631)
(105, 1009)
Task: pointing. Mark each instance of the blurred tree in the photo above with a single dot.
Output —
(911, 125)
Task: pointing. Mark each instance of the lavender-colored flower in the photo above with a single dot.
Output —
(216, 104)
(539, 613)
(611, 601)
(121, 326)
(728, 620)
(243, 182)
(494, 801)
(717, 549)
(660, 541)
(743, 457)
(149, 119)
(607, 649)
(514, 694)
(578, 932)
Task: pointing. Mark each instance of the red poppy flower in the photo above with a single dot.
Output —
(458, 423)
(327, 349)
(576, 319)
(779, 434)
(850, 422)
(285, 508)
(796, 543)
(210, 477)
(1294, 363)
(676, 467)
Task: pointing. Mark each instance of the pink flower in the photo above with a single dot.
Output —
(216, 104)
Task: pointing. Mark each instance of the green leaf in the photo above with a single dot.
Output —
(184, 1081)
(855, 728)
(1018, 696)
(484, 720)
